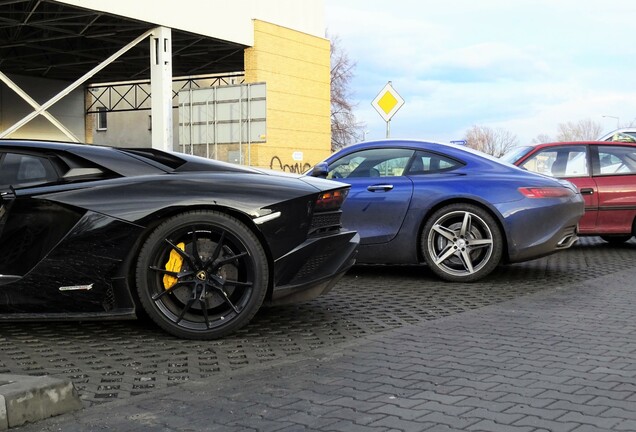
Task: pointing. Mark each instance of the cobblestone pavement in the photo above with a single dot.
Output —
(117, 360)
(558, 359)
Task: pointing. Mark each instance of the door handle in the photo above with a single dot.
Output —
(587, 191)
(380, 187)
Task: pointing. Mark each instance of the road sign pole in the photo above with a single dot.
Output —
(388, 128)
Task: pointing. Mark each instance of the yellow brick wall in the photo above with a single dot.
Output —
(296, 69)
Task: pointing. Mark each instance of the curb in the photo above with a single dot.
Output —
(25, 398)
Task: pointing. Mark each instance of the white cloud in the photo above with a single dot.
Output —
(523, 65)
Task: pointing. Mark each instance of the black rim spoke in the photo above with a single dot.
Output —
(217, 251)
(164, 271)
(195, 249)
(237, 283)
(186, 309)
(226, 299)
(230, 259)
(168, 291)
(178, 275)
(182, 254)
(219, 246)
(204, 310)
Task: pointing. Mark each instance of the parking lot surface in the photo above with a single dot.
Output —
(374, 317)
(117, 360)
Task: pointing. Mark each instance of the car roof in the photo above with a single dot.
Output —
(42, 144)
(129, 162)
(411, 143)
(57, 145)
(390, 142)
(569, 143)
(111, 158)
(458, 151)
(627, 130)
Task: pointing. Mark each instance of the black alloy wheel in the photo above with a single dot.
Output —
(202, 275)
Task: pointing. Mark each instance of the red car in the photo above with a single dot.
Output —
(604, 172)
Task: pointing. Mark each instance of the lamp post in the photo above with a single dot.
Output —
(618, 120)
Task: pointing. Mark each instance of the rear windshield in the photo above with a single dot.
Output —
(515, 154)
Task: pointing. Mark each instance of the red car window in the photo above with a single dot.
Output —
(566, 161)
(616, 160)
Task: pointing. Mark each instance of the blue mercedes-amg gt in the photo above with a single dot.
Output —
(459, 210)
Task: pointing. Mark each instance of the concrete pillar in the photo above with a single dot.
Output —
(161, 88)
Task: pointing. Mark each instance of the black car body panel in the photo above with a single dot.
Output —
(69, 244)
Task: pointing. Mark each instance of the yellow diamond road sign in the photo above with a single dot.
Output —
(387, 102)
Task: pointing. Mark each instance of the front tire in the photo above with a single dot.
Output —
(461, 243)
(616, 239)
(202, 275)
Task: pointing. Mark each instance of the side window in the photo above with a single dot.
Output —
(568, 161)
(616, 160)
(384, 162)
(25, 170)
(426, 163)
(102, 119)
(624, 136)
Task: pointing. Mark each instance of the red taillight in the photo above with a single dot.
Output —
(545, 192)
(331, 200)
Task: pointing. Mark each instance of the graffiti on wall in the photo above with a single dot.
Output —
(298, 168)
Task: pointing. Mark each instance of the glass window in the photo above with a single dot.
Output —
(623, 136)
(568, 161)
(25, 170)
(516, 153)
(616, 160)
(425, 163)
(102, 120)
(383, 162)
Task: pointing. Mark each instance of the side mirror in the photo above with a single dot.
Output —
(321, 170)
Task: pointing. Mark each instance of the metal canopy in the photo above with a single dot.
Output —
(52, 40)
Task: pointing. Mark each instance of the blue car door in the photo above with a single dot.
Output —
(380, 193)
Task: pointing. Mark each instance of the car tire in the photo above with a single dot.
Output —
(461, 243)
(616, 239)
(202, 275)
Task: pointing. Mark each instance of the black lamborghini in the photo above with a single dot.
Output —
(90, 232)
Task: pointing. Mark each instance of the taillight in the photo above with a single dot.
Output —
(331, 200)
(546, 192)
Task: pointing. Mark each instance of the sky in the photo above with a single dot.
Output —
(523, 66)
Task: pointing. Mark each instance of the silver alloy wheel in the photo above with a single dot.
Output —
(460, 243)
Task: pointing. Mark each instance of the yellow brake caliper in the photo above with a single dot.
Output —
(174, 264)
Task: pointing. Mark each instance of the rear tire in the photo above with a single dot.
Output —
(461, 243)
(616, 239)
(202, 275)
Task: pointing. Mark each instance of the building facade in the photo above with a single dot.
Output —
(271, 53)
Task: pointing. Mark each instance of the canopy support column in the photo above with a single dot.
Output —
(161, 88)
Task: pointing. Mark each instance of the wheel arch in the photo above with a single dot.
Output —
(154, 220)
(461, 200)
